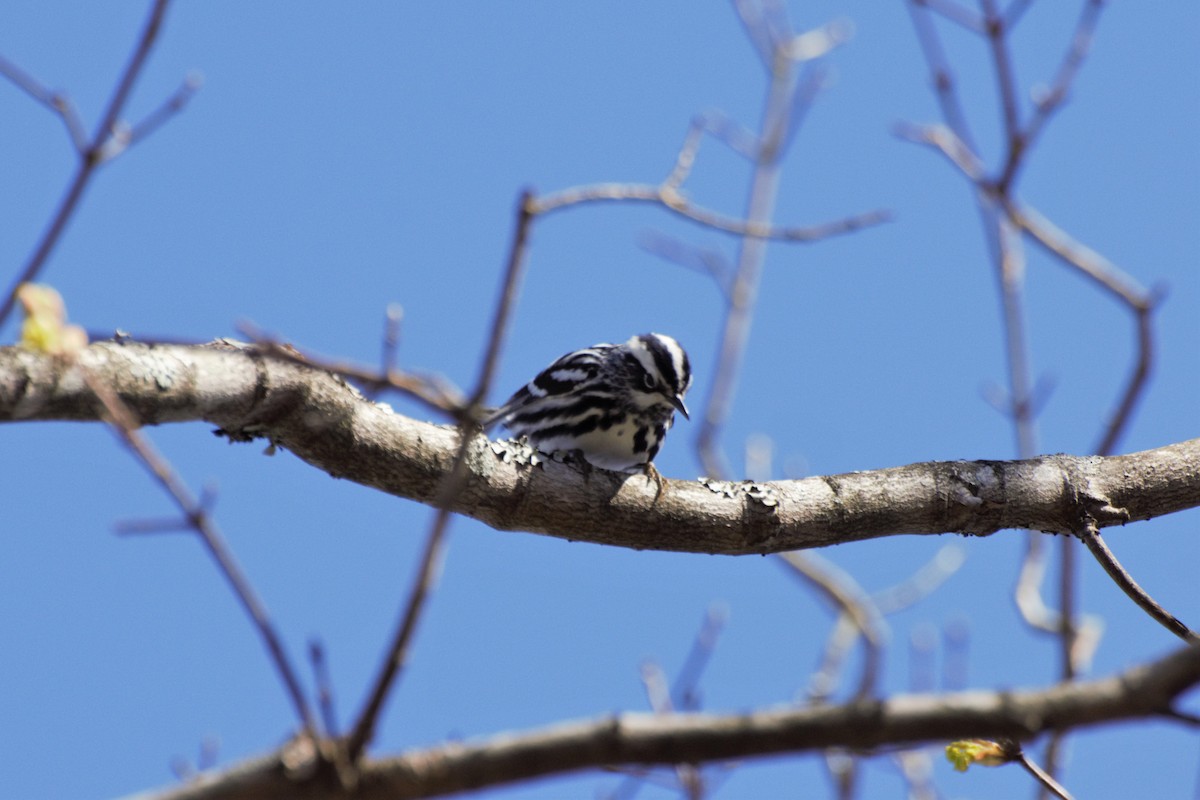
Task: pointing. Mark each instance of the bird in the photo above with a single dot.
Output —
(612, 404)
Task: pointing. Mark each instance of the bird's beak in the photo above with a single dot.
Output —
(678, 403)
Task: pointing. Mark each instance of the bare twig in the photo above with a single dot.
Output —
(949, 143)
(57, 102)
(718, 125)
(963, 17)
(125, 424)
(1112, 279)
(658, 694)
(678, 203)
(1043, 777)
(849, 599)
(389, 359)
(1009, 259)
(804, 95)
(847, 628)
(995, 30)
(434, 391)
(102, 147)
(397, 653)
(129, 77)
(685, 693)
(752, 250)
(1016, 9)
(654, 681)
(925, 581)
(707, 261)
(750, 14)
(1075, 255)
(1004, 218)
(167, 109)
(1091, 537)
(527, 208)
(682, 696)
(364, 727)
(686, 159)
(1135, 384)
(941, 75)
(324, 683)
(1053, 98)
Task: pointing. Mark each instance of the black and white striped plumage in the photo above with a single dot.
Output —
(611, 402)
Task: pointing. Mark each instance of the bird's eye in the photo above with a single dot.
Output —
(648, 382)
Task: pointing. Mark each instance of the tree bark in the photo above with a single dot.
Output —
(647, 739)
(326, 422)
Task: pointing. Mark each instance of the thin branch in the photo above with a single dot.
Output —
(1135, 385)
(434, 391)
(941, 75)
(1091, 537)
(324, 684)
(167, 109)
(678, 203)
(818, 42)
(922, 583)
(1067, 635)
(129, 77)
(729, 132)
(1076, 639)
(1002, 221)
(848, 597)
(1027, 595)
(681, 696)
(804, 95)
(527, 208)
(764, 186)
(949, 143)
(658, 695)
(706, 261)
(1043, 777)
(125, 424)
(153, 526)
(847, 629)
(57, 102)
(1016, 9)
(397, 657)
(641, 739)
(389, 352)
(1008, 257)
(960, 15)
(686, 159)
(684, 692)
(94, 153)
(750, 15)
(996, 34)
(1111, 278)
(1076, 255)
(1051, 101)
(654, 681)
(450, 486)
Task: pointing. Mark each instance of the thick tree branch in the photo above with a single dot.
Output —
(1148, 690)
(332, 426)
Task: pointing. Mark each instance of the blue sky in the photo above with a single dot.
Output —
(339, 158)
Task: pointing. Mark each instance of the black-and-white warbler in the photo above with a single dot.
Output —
(611, 403)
